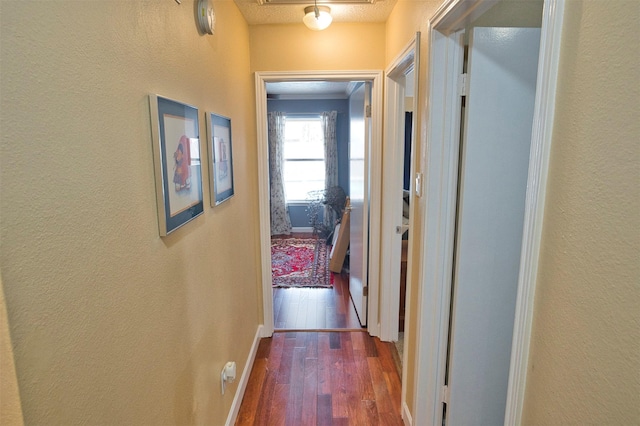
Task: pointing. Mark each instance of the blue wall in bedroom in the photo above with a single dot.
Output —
(298, 213)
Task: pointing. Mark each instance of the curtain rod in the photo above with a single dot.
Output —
(309, 113)
(289, 114)
(302, 113)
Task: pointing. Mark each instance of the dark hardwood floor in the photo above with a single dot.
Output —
(322, 378)
(315, 308)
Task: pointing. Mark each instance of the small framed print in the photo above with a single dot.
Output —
(220, 150)
(178, 169)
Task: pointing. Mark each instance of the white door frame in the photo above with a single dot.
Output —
(375, 163)
(394, 115)
(441, 170)
(393, 150)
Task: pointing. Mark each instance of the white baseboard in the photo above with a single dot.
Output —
(302, 229)
(406, 415)
(244, 379)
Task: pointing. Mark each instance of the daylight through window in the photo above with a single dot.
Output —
(303, 157)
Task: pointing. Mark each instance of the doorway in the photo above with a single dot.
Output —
(439, 227)
(373, 157)
(501, 68)
(400, 194)
(310, 124)
(399, 190)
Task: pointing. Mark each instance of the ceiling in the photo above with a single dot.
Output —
(309, 90)
(257, 12)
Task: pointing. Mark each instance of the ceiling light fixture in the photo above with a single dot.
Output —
(317, 17)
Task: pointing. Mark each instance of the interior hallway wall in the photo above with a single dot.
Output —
(407, 18)
(585, 349)
(294, 47)
(112, 324)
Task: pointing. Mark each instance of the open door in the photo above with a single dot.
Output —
(359, 193)
(499, 110)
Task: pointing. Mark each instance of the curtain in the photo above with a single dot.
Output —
(330, 162)
(280, 221)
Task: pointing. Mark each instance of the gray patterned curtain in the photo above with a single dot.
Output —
(280, 221)
(330, 161)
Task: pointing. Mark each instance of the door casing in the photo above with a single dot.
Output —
(391, 249)
(393, 150)
(375, 163)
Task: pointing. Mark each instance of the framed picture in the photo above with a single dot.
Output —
(178, 169)
(220, 158)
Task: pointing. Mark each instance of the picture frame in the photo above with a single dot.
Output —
(220, 148)
(175, 135)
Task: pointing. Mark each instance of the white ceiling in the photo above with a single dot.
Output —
(291, 11)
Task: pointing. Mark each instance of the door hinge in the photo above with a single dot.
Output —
(462, 84)
(367, 111)
(365, 291)
(401, 229)
(445, 394)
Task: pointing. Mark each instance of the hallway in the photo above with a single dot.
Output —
(322, 378)
(315, 308)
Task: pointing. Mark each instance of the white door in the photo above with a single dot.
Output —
(359, 193)
(502, 71)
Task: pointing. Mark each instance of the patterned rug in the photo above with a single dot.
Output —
(300, 262)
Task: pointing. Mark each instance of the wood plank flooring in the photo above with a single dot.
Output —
(315, 308)
(322, 378)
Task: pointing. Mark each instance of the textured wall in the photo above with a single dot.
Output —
(407, 18)
(294, 47)
(112, 324)
(585, 351)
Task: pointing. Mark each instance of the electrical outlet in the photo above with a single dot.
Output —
(228, 374)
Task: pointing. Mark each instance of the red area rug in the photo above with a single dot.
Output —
(300, 262)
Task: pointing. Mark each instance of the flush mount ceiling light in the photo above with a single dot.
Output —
(285, 2)
(317, 17)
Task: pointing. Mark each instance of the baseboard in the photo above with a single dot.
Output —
(302, 229)
(244, 379)
(406, 415)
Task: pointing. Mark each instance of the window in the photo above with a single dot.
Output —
(303, 157)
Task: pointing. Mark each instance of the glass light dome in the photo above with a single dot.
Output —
(317, 17)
